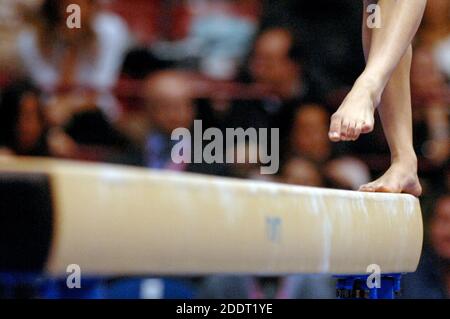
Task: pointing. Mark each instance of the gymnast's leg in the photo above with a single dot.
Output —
(395, 114)
(388, 52)
(388, 44)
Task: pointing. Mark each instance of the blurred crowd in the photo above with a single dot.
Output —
(115, 89)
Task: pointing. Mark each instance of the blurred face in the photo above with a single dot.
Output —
(29, 124)
(169, 104)
(270, 63)
(310, 133)
(440, 229)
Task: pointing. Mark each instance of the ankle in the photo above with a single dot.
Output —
(372, 84)
(405, 159)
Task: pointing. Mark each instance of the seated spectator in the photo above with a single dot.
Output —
(82, 63)
(23, 128)
(309, 140)
(169, 105)
(277, 62)
(274, 63)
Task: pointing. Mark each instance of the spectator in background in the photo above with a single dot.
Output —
(23, 128)
(82, 63)
(169, 105)
(22, 123)
(276, 62)
(309, 141)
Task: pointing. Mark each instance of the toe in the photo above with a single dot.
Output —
(351, 132)
(344, 129)
(335, 128)
(358, 130)
(367, 127)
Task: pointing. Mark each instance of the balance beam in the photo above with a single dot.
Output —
(116, 220)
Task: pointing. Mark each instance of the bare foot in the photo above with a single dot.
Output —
(355, 116)
(399, 178)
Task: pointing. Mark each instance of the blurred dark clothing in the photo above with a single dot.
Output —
(427, 282)
(40, 149)
(140, 62)
(93, 128)
(237, 113)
